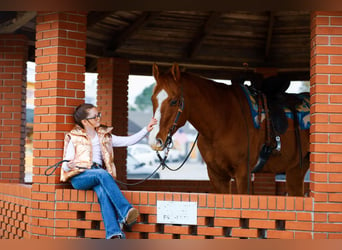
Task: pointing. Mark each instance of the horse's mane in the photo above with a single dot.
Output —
(210, 88)
(205, 80)
(201, 85)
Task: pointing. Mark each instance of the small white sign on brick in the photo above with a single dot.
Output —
(177, 212)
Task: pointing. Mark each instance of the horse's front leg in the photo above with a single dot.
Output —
(295, 178)
(218, 176)
(220, 182)
(242, 179)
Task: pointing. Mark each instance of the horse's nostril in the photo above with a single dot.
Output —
(159, 142)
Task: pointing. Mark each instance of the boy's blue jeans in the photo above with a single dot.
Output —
(114, 206)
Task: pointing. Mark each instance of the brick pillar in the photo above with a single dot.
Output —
(112, 101)
(60, 68)
(326, 120)
(13, 57)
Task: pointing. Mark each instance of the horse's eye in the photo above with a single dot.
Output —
(173, 102)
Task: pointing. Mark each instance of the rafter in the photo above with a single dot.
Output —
(214, 71)
(6, 17)
(204, 31)
(269, 35)
(140, 22)
(94, 17)
(16, 23)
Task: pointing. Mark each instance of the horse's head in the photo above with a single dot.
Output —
(167, 100)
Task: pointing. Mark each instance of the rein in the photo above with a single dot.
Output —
(168, 146)
(168, 142)
(162, 164)
(162, 160)
(55, 166)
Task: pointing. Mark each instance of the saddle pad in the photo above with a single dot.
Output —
(303, 110)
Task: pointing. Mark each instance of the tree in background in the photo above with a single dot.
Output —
(143, 101)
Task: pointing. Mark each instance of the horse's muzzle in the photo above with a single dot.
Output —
(159, 145)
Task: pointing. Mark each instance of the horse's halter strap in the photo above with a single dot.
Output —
(174, 125)
(180, 103)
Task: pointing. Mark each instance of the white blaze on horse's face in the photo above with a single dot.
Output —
(152, 139)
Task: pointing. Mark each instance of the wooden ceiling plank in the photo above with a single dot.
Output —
(140, 22)
(204, 31)
(269, 35)
(238, 36)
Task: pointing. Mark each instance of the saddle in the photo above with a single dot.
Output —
(267, 99)
(272, 97)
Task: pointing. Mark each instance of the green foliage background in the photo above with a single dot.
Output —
(143, 101)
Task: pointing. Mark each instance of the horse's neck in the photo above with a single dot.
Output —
(205, 106)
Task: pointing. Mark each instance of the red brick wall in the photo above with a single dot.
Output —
(219, 216)
(77, 215)
(59, 88)
(13, 57)
(15, 211)
(326, 119)
(112, 101)
(226, 216)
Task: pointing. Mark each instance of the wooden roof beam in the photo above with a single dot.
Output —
(204, 31)
(269, 35)
(120, 39)
(6, 17)
(21, 19)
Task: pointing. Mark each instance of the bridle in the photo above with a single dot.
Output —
(180, 109)
(168, 142)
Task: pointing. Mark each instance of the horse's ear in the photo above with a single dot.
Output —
(175, 72)
(155, 71)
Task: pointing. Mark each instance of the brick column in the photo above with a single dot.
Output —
(13, 57)
(60, 68)
(112, 101)
(326, 120)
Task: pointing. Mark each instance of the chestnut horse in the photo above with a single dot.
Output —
(228, 141)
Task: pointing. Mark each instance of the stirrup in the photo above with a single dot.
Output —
(263, 157)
